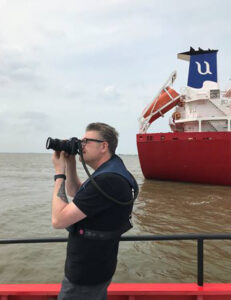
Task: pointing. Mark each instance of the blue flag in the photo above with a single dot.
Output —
(202, 67)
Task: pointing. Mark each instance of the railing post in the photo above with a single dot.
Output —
(200, 262)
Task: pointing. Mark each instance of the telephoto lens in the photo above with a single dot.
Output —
(70, 146)
(55, 144)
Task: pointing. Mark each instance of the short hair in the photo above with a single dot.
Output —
(107, 133)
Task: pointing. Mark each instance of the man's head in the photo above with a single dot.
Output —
(99, 143)
(106, 133)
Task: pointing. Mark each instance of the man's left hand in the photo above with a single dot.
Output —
(58, 159)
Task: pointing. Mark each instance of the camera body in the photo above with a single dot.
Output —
(71, 146)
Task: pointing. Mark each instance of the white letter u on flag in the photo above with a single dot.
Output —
(207, 68)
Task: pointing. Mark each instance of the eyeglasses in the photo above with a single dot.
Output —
(86, 140)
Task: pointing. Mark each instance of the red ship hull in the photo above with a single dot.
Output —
(200, 157)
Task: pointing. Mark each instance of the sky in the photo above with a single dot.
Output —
(65, 64)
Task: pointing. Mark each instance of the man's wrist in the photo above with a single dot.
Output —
(60, 171)
(71, 161)
(63, 176)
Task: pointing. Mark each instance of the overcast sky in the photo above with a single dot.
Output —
(64, 64)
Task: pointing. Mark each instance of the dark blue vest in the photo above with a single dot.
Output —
(114, 165)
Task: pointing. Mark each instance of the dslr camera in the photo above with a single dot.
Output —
(71, 146)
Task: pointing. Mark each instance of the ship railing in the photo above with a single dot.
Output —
(199, 238)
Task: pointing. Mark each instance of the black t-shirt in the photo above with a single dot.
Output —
(94, 261)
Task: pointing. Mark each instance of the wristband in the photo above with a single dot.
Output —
(60, 176)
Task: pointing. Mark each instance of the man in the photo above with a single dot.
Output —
(95, 221)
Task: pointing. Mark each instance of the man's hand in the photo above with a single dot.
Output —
(73, 182)
(58, 159)
(70, 159)
(65, 163)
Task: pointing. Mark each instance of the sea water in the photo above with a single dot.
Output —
(26, 185)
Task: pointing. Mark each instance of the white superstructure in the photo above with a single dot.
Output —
(204, 109)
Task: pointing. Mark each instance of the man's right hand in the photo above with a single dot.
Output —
(73, 182)
(69, 158)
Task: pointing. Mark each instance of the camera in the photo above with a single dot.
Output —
(71, 146)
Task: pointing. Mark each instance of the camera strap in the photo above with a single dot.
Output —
(119, 168)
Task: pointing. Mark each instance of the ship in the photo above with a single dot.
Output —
(198, 148)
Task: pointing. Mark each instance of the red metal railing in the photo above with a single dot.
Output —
(131, 291)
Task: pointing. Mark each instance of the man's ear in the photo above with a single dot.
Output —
(105, 146)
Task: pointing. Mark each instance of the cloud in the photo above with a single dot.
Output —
(19, 67)
(29, 122)
(4, 81)
(63, 65)
(34, 121)
(110, 93)
(23, 132)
